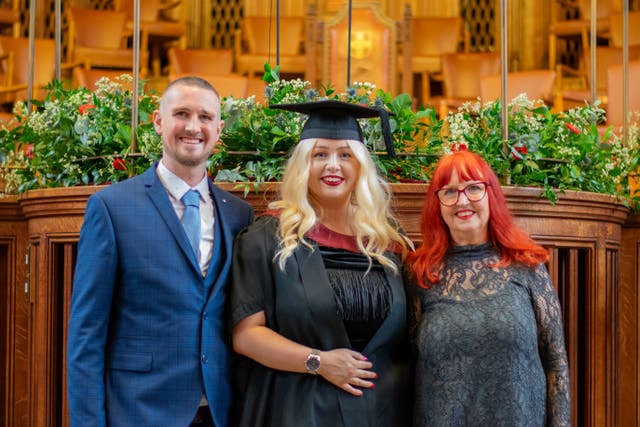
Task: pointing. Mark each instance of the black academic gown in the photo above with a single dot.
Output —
(299, 304)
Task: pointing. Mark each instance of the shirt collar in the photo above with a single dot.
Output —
(176, 185)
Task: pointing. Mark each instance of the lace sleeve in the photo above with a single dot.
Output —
(552, 348)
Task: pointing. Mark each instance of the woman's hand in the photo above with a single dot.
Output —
(347, 369)
(342, 367)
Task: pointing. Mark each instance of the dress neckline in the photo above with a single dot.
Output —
(478, 250)
(326, 237)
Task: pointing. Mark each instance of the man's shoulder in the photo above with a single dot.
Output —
(229, 197)
(127, 188)
(124, 186)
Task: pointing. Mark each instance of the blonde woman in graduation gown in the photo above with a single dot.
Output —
(318, 299)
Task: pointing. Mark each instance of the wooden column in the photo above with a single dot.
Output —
(15, 325)
(54, 218)
(628, 395)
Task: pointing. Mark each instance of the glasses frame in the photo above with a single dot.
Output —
(462, 190)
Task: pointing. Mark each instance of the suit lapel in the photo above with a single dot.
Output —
(218, 252)
(160, 199)
(222, 240)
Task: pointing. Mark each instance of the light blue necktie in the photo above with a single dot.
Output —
(191, 219)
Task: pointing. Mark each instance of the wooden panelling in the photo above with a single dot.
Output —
(628, 397)
(16, 324)
(593, 265)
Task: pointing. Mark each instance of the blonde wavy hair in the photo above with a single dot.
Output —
(370, 215)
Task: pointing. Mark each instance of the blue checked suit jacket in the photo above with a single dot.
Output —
(147, 335)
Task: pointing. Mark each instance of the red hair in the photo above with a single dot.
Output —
(512, 242)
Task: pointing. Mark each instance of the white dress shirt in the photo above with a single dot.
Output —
(176, 188)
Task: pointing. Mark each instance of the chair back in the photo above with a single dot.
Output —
(260, 33)
(226, 85)
(6, 67)
(603, 8)
(10, 17)
(536, 84)
(255, 44)
(615, 29)
(212, 61)
(97, 28)
(98, 39)
(614, 91)
(462, 73)
(434, 36)
(606, 56)
(373, 48)
(43, 63)
(149, 9)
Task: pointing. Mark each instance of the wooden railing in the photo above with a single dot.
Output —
(594, 265)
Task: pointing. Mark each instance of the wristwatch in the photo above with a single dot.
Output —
(313, 362)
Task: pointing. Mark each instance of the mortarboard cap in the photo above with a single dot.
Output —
(334, 119)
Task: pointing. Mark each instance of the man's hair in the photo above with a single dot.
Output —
(190, 81)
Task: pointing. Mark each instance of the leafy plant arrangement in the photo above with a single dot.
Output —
(76, 137)
(257, 139)
(556, 151)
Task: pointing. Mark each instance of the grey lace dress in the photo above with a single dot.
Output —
(490, 346)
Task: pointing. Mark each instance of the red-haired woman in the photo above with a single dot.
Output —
(489, 337)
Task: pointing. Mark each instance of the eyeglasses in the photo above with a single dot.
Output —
(475, 192)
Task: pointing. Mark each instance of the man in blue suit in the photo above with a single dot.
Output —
(147, 341)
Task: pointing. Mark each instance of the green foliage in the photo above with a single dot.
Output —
(565, 151)
(256, 140)
(76, 137)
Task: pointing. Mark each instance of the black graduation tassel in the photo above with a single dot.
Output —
(386, 130)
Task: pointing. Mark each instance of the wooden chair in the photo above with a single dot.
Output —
(614, 93)
(15, 87)
(163, 22)
(573, 86)
(428, 39)
(10, 16)
(462, 73)
(212, 61)
(373, 48)
(98, 39)
(574, 28)
(215, 66)
(536, 84)
(255, 45)
(615, 29)
(7, 89)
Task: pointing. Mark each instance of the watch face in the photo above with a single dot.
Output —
(313, 363)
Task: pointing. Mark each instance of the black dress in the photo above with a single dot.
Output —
(490, 346)
(307, 304)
